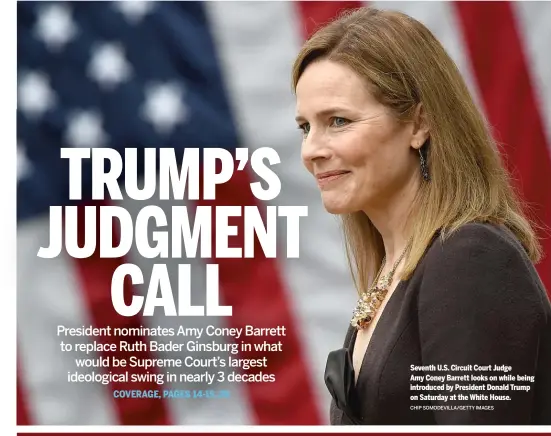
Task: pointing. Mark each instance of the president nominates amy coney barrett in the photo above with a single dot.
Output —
(440, 250)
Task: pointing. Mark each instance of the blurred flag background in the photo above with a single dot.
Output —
(217, 74)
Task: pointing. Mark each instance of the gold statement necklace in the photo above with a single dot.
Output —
(368, 304)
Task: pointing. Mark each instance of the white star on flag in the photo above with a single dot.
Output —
(134, 11)
(55, 26)
(108, 65)
(85, 130)
(163, 106)
(35, 96)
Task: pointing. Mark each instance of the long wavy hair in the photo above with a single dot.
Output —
(404, 65)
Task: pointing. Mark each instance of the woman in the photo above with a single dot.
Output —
(451, 311)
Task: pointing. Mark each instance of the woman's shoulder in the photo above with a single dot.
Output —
(481, 261)
(477, 240)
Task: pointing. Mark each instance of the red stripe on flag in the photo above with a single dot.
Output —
(94, 275)
(22, 410)
(317, 13)
(257, 293)
(501, 70)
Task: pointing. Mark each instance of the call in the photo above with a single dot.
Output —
(159, 293)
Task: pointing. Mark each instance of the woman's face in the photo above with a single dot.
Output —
(359, 153)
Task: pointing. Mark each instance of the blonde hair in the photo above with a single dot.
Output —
(404, 65)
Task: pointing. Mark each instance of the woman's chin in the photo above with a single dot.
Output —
(337, 207)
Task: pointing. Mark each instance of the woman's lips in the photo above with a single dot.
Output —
(329, 177)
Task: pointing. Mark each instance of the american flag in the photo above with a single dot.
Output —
(217, 74)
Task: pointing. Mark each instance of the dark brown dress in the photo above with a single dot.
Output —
(474, 300)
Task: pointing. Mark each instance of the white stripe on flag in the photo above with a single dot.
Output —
(48, 295)
(534, 20)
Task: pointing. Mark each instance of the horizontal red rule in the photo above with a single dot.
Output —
(272, 433)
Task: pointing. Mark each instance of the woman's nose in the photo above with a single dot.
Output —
(314, 147)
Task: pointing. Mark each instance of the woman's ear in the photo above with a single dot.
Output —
(420, 132)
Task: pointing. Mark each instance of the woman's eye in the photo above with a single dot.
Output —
(305, 127)
(339, 121)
